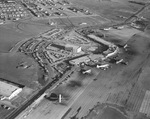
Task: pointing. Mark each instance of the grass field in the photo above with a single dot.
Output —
(9, 37)
(11, 34)
(110, 9)
(9, 70)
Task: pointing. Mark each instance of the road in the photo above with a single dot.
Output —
(57, 111)
(80, 97)
(30, 101)
(138, 12)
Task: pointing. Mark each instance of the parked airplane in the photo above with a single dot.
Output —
(103, 66)
(87, 71)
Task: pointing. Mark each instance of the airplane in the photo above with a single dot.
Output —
(103, 66)
(125, 46)
(119, 61)
(87, 71)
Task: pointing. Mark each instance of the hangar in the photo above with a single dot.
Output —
(8, 90)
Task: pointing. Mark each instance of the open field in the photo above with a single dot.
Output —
(9, 38)
(15, 32)
(110, 9)
(9, 70)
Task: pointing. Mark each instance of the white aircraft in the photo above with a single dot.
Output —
(87, 71)
(103, 66)
(125, 46)
(121, 60)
